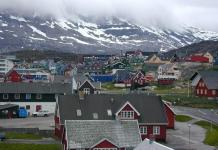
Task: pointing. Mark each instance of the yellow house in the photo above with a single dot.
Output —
(156, 60)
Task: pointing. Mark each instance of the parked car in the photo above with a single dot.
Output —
(41, 113)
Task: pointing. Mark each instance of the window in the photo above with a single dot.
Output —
(143, 130)
(38, 96)
(156, 130)
(201, 91)
(127, 115)
(28, 96)
(5, 96)
(205, 92)
(27, 107)
(197, 91)
(16, 96)
(86, 90)
(214, 92)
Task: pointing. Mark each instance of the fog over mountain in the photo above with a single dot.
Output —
(89, 26)
(160, 13)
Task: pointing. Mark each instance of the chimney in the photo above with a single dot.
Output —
(81, 95)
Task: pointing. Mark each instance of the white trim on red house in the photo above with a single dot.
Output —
(127, 103)
(65, 136)
(165, 102)
(104, 140)
(137, 75)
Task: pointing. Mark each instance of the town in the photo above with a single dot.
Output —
(132, 100)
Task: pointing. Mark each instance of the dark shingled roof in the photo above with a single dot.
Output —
(7, 106)
(151, 108)
(35, 87)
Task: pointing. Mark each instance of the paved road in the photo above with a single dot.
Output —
(207, 114)
(179, 138)
(43, 123)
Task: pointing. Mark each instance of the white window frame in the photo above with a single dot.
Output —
(38, 96)
(156, 130)
(143, 129)
(127, 114)
(28, 96)
(5, 96)
(202, 92)
(86, 90)
(16, 96)
(213, 92)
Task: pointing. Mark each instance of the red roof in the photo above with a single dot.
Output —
(196, 58)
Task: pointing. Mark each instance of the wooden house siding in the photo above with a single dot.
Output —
(104, 144)
(129, 108)
(13, 76)
(160, 137)
(170, 117)
(87, 85)
(202, 90)
(44, 98)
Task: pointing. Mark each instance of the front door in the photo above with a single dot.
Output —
(38, 107)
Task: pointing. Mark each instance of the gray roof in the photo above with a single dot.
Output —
(61, 79)
(87, 133)
(7, 106)
(210, 78)
(80, 78)
(151, 145)
(35, 87)
(151, 108)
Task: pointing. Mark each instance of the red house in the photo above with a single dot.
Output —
(148, 110)
(198, 58)
(207, 85)
(13, 76)
(139, 78)
(170, 115)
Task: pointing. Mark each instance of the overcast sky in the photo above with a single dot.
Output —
(164, 13)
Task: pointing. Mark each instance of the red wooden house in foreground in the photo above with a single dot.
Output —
(150, 112)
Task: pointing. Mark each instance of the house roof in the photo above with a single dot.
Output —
(150, 107)
(35, 87)
(87, 133)
(122, 75)
(151, 145)
(209, 77)
(7, 106)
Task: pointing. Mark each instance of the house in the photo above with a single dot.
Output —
(139, 79)
(122, 78)
(170, 115)
(205, 84)
(167, 73)
(147, 109)
(198, 58)
(155, 59)
(13, 76)
(33, 96)
(102, 77)
(149, 144)
(6, 64)
(8, 111)
(114, 67)
(83, 84)
(101, 134)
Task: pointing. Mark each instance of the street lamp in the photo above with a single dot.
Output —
(189, 127)
(211, 122)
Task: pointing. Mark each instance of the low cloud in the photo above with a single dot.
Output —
(167, 14)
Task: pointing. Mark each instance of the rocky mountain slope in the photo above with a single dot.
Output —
(87, 36)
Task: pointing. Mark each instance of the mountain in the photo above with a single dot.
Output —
(201, 47)
(88, 35)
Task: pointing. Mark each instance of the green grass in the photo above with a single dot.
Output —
(14, 135)
(183, 118)
(211, 135)
(9, 146)
(191, 101)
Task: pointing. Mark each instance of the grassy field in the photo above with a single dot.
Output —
(192, 101)
(183, 118)
(6, 146)
(14, 135)
(212, 133)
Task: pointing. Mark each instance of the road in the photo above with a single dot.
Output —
(206, 114)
